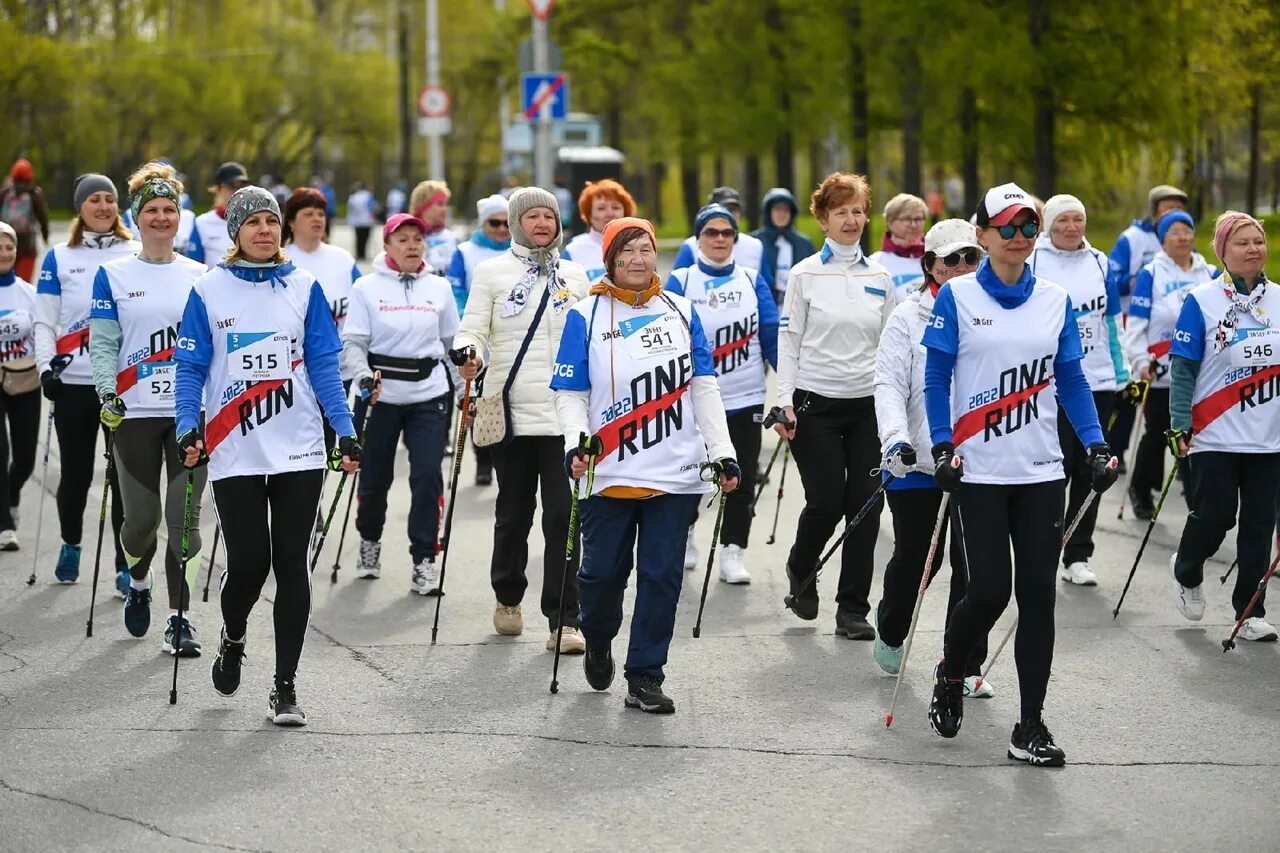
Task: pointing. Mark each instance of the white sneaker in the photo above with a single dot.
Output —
(1079, 574)
(732, 567)
(1258, 630)
(370, 555)
(425, 579)
(1188, 600)
(690, 553)
(976, 687)
(8, 540)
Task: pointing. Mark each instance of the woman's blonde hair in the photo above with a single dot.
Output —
(154, 169)
(902, 204)
(839, 188)
(423, 192)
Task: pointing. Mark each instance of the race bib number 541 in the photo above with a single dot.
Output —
(258, 356)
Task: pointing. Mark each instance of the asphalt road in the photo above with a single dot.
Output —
(778, 743)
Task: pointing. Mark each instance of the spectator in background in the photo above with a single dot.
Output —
(209, 241)
(361, 214)
(600, 203)
(565, 199)
(429, 201)
(23, 208)
(325, 185)
(396, 198)
(783, 246)
(903, 246)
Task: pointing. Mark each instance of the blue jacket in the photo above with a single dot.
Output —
(801, 246)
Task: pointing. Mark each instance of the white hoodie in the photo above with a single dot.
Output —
(1083, 273)
(1161, 288)
(900, 414)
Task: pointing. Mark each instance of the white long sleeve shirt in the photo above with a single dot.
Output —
(836, 306)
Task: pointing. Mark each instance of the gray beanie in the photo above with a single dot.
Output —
(88, 184)
(521, 202)
(245, 202)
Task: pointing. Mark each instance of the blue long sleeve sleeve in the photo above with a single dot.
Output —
(193, 352)
(939, 365)
(190, 378)
(1118, 266)
(457, 276)
(684, 257)
(321, 348)
(1074, 394)
(768, 310)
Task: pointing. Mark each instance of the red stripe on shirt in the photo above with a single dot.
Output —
(228, 418)
(128, 377)
(719, 353)
(73, 343)
(1160, 350)
(1216, 404)
(611, 435)
(971, 423)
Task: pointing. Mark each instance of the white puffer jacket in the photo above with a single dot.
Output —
(900, 415)
(497, 339)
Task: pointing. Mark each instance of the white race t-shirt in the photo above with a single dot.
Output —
(730, 314)
(907, 273)
(1083, 274)
(214, 238)
(17, 321)
(587, 250)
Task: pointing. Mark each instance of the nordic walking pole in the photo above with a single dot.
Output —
(1230, 642)
(790, 600)
(459, 357)
(915, 613)
(337, 496)
(184, 591)
(107, 477)
(1075, 522)
(775, 416)
(590, 447)
(213, 555)
(1137, 430)
(715, 469)
(777, 507)
(57, 365)
(1173, 473)
(355, 484)
(1229, 571)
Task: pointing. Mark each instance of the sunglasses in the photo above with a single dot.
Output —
(717, 232)
(1029, 229)
(968, 256)
(498, 223)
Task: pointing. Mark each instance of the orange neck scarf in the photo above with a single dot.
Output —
(634, 298)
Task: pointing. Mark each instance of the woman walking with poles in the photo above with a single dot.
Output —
(741, 322)
(648, 399)
(259, 352)
(515, 315)
(1005, 337)
(836, 305)
(1225, 415)
(402, 322)
(137, 305)
(950, 250)
(1063, 255)
(63, 296)
(19, 391)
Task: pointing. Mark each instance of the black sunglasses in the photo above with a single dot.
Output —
(969, 256)
(498, 223)
(1029, 229)
(718, 232)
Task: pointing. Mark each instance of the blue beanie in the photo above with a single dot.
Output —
(1167, 221)
(714, 211)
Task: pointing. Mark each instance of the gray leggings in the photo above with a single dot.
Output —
(141, 445)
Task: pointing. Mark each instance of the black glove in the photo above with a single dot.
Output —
(347, 447)
(188, 440)
(730, 469)
(367, 386)
(51, 386)
(1174, 436)
(1133, 394)
(460, 357)
(777, 415)
(1103, 467)
(948, 467)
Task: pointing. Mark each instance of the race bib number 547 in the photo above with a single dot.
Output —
(258, 356)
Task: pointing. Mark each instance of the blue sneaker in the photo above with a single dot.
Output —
(137, 611)
(181, 637)
(68, 568)
(122, 584)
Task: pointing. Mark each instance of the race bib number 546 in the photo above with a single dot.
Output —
(258, 356)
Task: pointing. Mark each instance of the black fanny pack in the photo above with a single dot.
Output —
(403, 369)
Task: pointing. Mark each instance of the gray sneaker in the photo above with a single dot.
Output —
(426, 581)
(370, 565)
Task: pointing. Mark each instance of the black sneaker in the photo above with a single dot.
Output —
(137, 611)
(284, 706)
(182, 638)
(646, 694)
(946, 709)
(1032, 743)
(853, 626)
(802, 603)
(226, 666)
(597, 665)
(1144, 508)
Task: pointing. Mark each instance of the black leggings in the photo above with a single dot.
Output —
(915, 512)
(256, 546)
(745, 433)
(75, 417)
(991, 517)
(1075, 462)
(22, 412)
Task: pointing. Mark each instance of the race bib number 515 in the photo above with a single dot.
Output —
(258, 356)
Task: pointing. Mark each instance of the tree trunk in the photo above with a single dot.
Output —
(657, 171)
(816, 157)
(858, 100)
(1255, 149)
(912, 120)
(969, 147)
(406, 120)
(783, 151)
(690, 189)
(751, 191)
(1046, 164)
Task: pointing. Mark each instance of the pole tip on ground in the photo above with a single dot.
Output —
(555, 687)
(888, 720)
(173, 697)
(1227, 646)
(697, 632)
(333, 578)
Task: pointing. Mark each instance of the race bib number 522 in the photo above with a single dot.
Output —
(258, 356)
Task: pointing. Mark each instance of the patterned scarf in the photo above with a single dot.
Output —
(518, 298)
(95, 240)
(153, 188)
(1242, 305)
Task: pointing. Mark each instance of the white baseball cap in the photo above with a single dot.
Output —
(948, 236)
(1002, 203)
